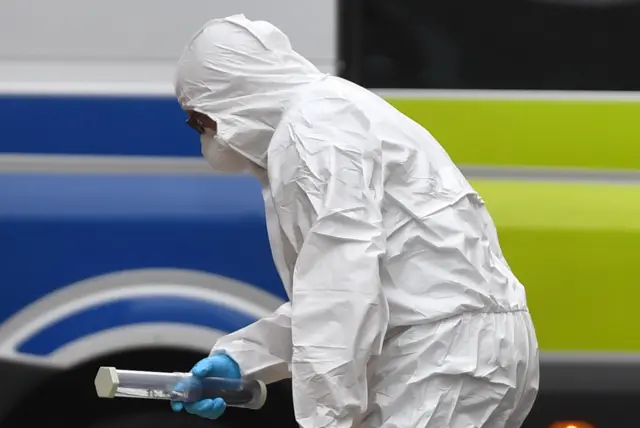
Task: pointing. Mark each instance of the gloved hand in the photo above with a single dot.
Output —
(219, 365)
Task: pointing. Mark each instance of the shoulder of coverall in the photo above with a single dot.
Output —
(327, 115)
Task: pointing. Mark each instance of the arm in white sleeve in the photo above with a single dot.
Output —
(327, 187)
(262, 349)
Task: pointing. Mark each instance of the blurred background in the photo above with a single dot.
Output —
(118, 245)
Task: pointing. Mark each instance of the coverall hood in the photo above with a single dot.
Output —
(242, 74)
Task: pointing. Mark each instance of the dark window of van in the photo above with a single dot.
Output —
(492, 44)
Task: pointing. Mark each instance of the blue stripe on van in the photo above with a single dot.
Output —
(94, 125)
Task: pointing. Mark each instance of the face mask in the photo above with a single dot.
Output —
(221, 157)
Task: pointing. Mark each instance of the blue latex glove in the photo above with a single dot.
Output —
(219, 365)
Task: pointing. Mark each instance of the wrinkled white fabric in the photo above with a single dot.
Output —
(403, 311)
(221, 156)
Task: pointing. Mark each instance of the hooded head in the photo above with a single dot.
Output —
(240, 74)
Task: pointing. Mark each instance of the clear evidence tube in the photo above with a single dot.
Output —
(111, 382)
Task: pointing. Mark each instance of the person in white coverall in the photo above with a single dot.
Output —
(402, 312)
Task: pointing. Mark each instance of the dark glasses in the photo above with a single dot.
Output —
(196, 124)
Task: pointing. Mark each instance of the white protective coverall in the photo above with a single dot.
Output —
(403, 311)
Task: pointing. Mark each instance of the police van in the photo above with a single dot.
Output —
(120, 247)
